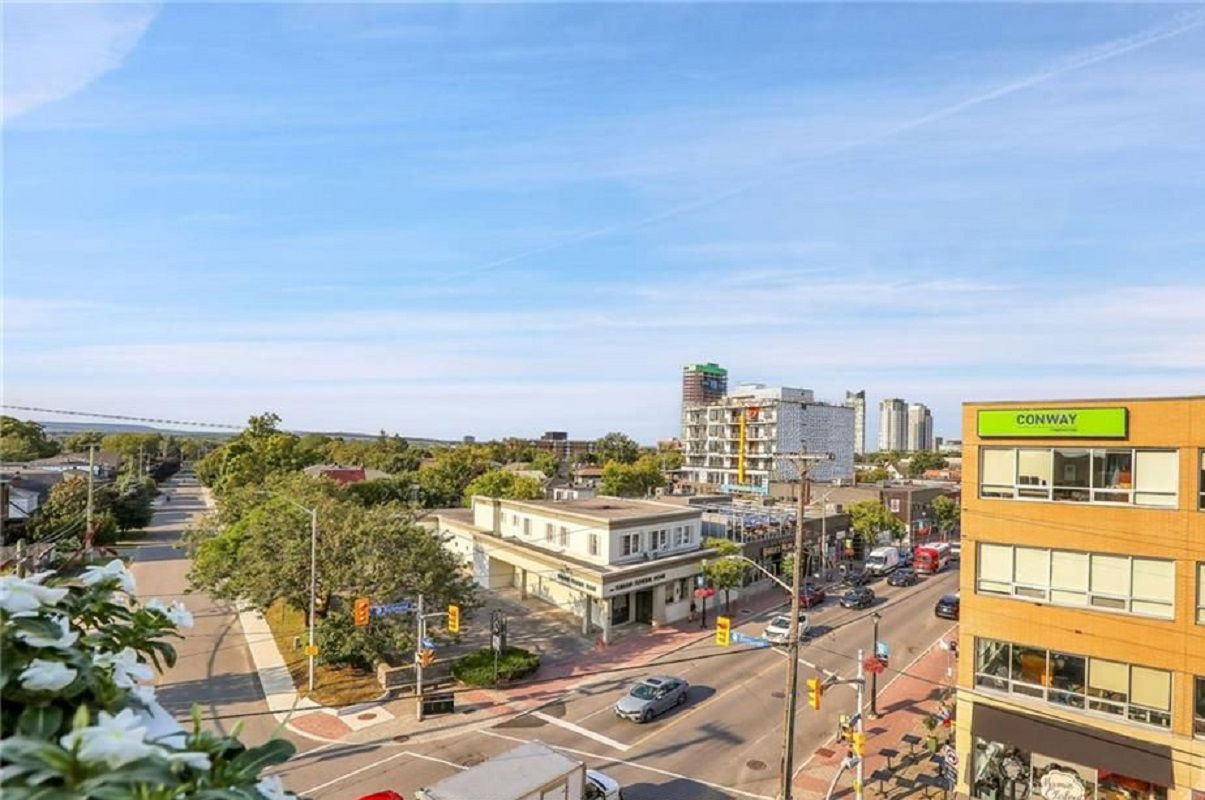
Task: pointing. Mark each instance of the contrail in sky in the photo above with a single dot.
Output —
(1085, 58)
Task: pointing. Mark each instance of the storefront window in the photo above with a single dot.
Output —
(1118, 787)
(999, 772)
(1198, 712)
(1006, 772)
(1054, 780)
(991, 664)
(619, 609)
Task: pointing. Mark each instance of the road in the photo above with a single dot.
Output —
(214, 667)
(726, 742)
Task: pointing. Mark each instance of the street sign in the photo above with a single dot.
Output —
(404, 607)
(881, 651)
(744, 638)
(311, 650)
(428, 643)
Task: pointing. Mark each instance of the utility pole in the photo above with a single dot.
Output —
(860, 729)
(802, 462)
(88, 532)
(418, 662)
(874, 676)
(313, 587)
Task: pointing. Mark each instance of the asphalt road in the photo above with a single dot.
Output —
(726, 742)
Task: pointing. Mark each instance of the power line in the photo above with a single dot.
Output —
(122, 417)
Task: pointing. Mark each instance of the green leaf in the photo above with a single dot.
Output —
(81, 719)
(40, 722)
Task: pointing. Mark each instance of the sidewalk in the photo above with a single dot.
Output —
(903, 704)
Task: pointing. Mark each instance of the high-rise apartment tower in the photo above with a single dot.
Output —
(920, 427)
(857, 401)
(893, 424)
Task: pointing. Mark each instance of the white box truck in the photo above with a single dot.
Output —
(532, 771)
(882, 560)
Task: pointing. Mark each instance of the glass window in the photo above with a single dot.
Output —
(1198, 707)
(1034, 472)
(1069, 578)
(1201, 484)
(1068, 675)
(1150, 696)
(1153, 587)
(1032, 569)
(1155, 478)
(1201, 594)
(995, 568)
(1052, 779)
(1072, 474)
(593, 544)
(998, 473)
(1112, 470)
(527, 526)
(992, 663)
(1109, 683)
(1110, 581)
(1029, 670)
(548, 531)
(563, 537)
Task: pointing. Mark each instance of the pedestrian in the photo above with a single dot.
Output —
(693, 610)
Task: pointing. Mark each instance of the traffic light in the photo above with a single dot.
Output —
(454, 619)
(362, 612)
(426, 657)
(723, 631)
(859, 744)
(815, 690)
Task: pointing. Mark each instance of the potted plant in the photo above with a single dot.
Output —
(930, 723)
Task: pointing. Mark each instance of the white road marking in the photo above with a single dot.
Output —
(579, 730)
(374, 765)
(637, 765)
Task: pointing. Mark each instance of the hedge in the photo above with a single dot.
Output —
(477, 668)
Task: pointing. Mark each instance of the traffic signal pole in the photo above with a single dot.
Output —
(418, 662)
(860, 732)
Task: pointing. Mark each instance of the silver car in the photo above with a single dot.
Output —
(779, 629)
(651, 697)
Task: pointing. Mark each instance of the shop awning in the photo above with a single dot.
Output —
(1089, 747)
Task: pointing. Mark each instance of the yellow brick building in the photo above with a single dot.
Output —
(1082, 642)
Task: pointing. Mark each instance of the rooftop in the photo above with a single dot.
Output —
(516, 773)
(609, 508)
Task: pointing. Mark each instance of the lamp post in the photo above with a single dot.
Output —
(874, 676)
(313, 512)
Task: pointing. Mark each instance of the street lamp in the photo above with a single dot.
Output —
(874, 676)
(313, 512)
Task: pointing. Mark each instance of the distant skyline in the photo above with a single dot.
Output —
(503, 219)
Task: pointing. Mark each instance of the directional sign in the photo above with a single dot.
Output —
(881, 650)
(744, 638)
(403, 607)
(428, 643)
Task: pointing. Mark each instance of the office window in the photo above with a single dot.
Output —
(1198, 707)
(678, 536)
(514, 520)
(1109, 682)
(1067, 678)
(992, 660)
(1150, 696)
(1102, 581)
(1082, 475)
(629, 544)
(563, 537)
(1201, 594)
(593, 540)
(659, 540)
(548, 531)
(527, 526)
(1201, 484)
(1029, 673)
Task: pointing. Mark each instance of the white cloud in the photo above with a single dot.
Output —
(53, 50)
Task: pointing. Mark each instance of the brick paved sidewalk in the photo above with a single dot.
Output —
(902, 705)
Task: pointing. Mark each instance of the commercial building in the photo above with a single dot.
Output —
(857, 401)
(911, 501)
(920, 427)
(893, 424)
(1083, 600)
(562, 447)
(734, 444)
(608, 561)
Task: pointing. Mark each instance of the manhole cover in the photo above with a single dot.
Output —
(401, 738)
(366, 716)
(755, 764)
(779, 695)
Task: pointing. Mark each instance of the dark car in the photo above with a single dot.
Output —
(902, 577)
(947, 607)
(858, 597)
(812, 595)
(905, 556)
(857, 577)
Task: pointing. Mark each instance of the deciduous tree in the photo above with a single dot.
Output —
(24, 441)
(505, 484)
(616, 446)
(870, 518)
(724, 572)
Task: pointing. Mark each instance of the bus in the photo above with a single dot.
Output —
(931, 558)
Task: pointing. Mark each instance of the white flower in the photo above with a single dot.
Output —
(114, 739)
(144, 694)
(177, 614)
(21, 596)
(189, 758)
(127, 669)
(161, 727)
(270, 788)
(114, 569)
(46, 676)
(62, 642)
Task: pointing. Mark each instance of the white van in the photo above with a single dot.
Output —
(882, 560)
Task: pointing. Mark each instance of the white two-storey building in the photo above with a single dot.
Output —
(607, 560)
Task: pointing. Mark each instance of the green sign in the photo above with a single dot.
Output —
(1054, 423)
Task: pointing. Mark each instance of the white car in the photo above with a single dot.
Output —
(779, 629)
(602, 787)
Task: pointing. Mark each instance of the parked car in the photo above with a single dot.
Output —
(856, 577)
(905, 556)
(947, 607)
(904, 576)
(652, 696)
(812, 595)
(779, 629)
(858, 597)
(602, 787)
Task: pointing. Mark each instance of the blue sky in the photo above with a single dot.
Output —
(503, 219)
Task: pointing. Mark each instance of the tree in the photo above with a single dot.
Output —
(872, 475)
(616, 447)
(80, 442)
(24, 441)
(923, 460)
(870, 518)
(724, 572)
(124, 507)
(255, 454)
(669, 460)
(505, 484)
(443, 482)
(631, 480)
(395, 489)
(546, 463)
(945, 513)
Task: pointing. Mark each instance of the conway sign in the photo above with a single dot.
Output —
(1070, 423)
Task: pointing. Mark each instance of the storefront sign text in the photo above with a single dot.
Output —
(1055, 785)
(1087, 423)
(635, 583)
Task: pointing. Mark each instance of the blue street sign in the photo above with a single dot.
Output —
(393, 608)
(880, 651)
(427, 643)
(741, 638)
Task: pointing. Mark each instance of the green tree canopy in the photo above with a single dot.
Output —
(546, 463)
(926, 459)
(125, 506)
(80, 442)
(391, 454)
(258, 452)
(505, 484)
(872, 475)
(616, 446)
(869, 518)
(945, 513)
(24, 441)
(724, 572)
(631, 480)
